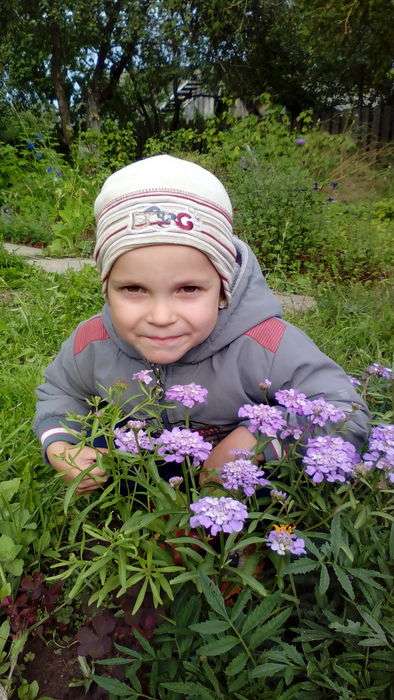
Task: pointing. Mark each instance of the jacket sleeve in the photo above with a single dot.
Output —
(64, 391)
(298, 363)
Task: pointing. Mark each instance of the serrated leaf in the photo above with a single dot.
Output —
(324, 580)
(260, 613)
(391, 542)
(372, 642)
(293, 654)
(241, 602)
(366, 575)
(8, 489)
(336, 534)
(270, 629)
(267, 669)
(252, 582)
(220, 646)
(344, 580)
(301, 566)
(189, 690)
(113, 686)
(237, 664)
(213, 595)
(210, 627)
(373, 624)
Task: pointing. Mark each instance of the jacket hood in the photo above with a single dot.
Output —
(252, 302)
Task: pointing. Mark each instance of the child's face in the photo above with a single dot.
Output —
(164, 300)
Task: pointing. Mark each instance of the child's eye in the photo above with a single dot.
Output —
(133, 289)
(190, 289)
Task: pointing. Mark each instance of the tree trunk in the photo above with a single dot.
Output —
(59, 85)
(93, 110)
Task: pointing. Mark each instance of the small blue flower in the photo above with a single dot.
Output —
(49, 170)
(30, 146)
(59, 173)
(300, 141)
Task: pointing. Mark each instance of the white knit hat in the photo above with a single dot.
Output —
(165, 200)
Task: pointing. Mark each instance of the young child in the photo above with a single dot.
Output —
(185, 298)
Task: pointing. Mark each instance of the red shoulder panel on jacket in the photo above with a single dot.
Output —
(268, 334)
(91, 330)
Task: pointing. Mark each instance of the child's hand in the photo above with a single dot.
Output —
(70, 460)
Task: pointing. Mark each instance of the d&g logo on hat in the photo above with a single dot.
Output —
(154, 216)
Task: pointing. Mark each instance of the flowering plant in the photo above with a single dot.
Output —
(268, 558)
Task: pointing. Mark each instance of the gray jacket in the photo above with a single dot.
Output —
(249, 344)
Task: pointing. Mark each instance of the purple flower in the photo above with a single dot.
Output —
(144, 376)
(278, 495)
(263, 419)
(243, 474)
(321, 412)
(294, 433)
(175, 481)
(300, 141)
(241, 452)
(353, 380)
(381, 450)
(132, 440)
(136, 424)
(330, 458)
(282, 540)
(218, 514)
(265, 384)
(295, 401)
(380, 371)
(176, 444)
(187, 394)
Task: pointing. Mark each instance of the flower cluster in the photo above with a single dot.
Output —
(133, 440)
(354, 381)
(381, 450)
(175, 481)
(187, 394)
(176, 444)
(278, 495)
(144, 376)
(380, 371)
(318, 411)
(330, 458)
(243, 474)
(264, 419)
(218, 514)
(282, 540)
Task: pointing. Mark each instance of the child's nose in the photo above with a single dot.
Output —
(161, 313)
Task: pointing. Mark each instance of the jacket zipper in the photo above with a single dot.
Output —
(160, 376)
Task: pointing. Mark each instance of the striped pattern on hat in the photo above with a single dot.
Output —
(165, 200)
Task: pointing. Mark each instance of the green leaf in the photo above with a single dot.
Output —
(114, 686)
(301, 566)
(246, 542)
(237, 664)
(140, 597)
(210, 627)
(373, 624)
(8, 549)
(366, 575)
(252, 582)
(259, 614)
(189, 690)
(15, 568)
(4, 633)
(219, 646)
(391, 543)
(213, 595)
(324, 580)
(144, 643)
(344, 580)
(8, 489)
(270, 629)
(336, 534)
(268, 669)
(242, 600)
(194, 542)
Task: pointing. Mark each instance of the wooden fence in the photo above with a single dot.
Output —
(372, 125)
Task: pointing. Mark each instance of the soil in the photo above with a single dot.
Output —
(54, 668)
